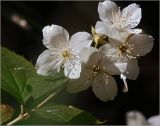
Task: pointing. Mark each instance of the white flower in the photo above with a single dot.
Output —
(135, 118)
(118, 24)
(135, 46)
(62, 52)
(96, 72)
(154, 120)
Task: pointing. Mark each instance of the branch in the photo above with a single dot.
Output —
(19, 118)
(25, 115)
(45, 100)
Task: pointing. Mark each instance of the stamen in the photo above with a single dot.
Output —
(65, 54)
(125, 88)
(119, 13)
(126, 50)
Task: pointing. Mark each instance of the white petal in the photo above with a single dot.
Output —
(134, 31)
(135, 118)
(80, 40)
(72, 69)
(109, 67)
(112, 62)
(95, 59)
(104, 87)
(132, 69)
(86, 53)
(133, 15)
(114, 42)
(48, 64)
(80, 84)
(54, 36)
(154, 120)
(109, 51)
(111, 31)
(106, 9)
(143, 44)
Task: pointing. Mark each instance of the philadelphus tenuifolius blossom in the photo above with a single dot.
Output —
(136, 118)
(124, 41)
(96, 72)
(118, 24)
(117, 44)
(62, 52)
(135, 46)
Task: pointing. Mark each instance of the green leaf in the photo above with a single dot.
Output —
(42, 85)
(63, 114)
(11, 59)
(15, 72)
(20, 79)
(100, 122)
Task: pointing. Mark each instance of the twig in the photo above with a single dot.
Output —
(45, 100)
(19, 118)
(25, 115)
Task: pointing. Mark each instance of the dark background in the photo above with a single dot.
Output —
(143, 93)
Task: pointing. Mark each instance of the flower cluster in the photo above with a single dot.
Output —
(117, 44)
(136, 118)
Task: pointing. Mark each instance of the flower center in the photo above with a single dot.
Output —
(93, 71)
(66, 54)
(118, 20)
(126, 51)
(96, 69)
(122, 48)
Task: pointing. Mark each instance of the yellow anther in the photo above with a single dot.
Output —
(122, 48)
(95, 69)
(66, 54)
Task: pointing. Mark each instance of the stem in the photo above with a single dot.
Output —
(125, 88)
(19, 118)
(96, 44)
(45, 100)
(25, 115)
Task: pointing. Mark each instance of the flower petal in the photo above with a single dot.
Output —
(80, 84)
(134, 31)
(115, 43)
(111, 31)
(95, 59)
(106, 9)
(154, 120)
(143, 44)
(86, 53)
(72, 68)
(54, 36)
(135, 118)
(132, 69)
(112, 62)
(133, 15)
(80, 40)
(104, 87)
(48, 63)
